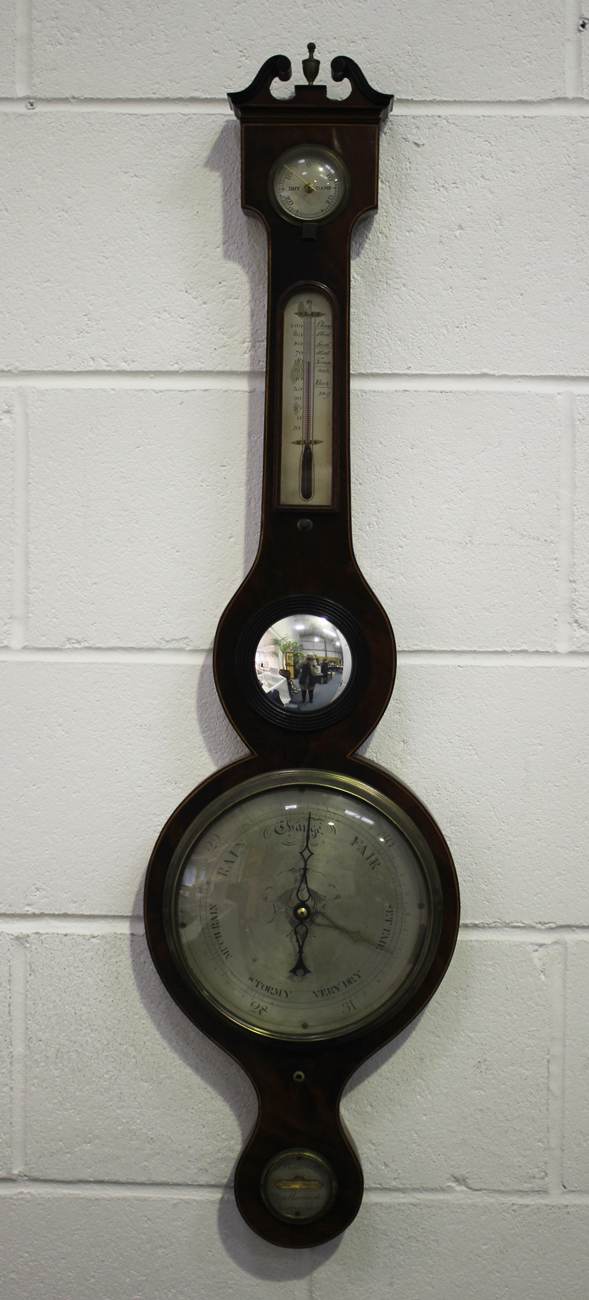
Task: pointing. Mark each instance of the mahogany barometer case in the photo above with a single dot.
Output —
(301, 905)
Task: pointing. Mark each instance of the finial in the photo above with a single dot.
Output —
(311, 66)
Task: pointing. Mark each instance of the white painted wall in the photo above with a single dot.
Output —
(132, 320)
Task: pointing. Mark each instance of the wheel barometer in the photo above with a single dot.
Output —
(301, 905)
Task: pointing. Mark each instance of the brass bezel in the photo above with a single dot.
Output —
(331, 780)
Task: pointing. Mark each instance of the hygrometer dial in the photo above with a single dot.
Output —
(309, 183)
(303, 906)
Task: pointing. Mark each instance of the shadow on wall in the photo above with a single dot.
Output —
(244, 242)
(216, 1070)
(260, 1258)
(222, 741)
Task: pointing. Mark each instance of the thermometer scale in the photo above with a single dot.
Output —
(307, 401)
(309, 319)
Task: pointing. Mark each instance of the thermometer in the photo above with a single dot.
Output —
(308, 317)
(307, 401)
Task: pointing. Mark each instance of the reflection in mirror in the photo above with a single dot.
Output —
(303, 663)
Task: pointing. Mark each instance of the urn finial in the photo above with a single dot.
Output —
(311, 65)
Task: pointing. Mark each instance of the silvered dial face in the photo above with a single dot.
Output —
(303, 905)
(309, 184)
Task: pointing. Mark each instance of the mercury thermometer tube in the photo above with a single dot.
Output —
(309, 336)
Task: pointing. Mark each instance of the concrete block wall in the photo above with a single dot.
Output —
(132, 334)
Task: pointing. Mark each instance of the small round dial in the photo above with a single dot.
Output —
(298, 1185)
(309, 184)
(303, 905)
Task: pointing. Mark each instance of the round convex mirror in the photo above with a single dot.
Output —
(303, 663)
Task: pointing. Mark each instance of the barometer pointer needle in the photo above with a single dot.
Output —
(355, 935)
(302, 909)
(303, 913)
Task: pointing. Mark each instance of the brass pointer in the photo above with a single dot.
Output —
(297, 1184)
(307, 184)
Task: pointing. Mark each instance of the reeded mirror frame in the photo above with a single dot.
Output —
(245, 662)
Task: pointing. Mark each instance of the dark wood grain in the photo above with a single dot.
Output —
(319, 563)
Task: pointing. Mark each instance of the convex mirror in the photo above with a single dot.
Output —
(303, 663)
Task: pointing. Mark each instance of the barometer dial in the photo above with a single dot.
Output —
(303, 906)
(309, 183)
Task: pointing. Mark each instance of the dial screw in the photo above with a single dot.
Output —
(301, 912)
(311, 66)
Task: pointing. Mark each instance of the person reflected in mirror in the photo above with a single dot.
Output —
(307, 678)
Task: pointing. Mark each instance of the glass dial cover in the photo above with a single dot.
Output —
(303, 655)
(309, 183)
(298, 1186)
(303, 905)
